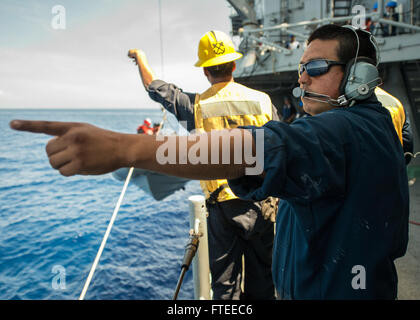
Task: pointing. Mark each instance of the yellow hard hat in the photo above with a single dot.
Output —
(215, 48)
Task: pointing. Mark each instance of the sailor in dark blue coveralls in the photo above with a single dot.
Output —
(341, 174)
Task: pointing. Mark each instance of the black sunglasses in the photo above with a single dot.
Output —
(317, 67)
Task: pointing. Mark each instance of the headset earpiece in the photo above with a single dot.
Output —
(360, 79)
(361, 75)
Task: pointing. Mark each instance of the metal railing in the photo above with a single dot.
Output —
(375, 16)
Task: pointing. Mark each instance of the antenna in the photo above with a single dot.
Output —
(161, 40)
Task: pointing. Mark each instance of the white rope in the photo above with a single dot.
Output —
(108, 230)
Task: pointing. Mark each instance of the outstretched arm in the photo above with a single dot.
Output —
(81, 148)
(146, 73)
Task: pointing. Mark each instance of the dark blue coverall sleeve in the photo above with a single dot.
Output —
(173, 99)
(303, 161)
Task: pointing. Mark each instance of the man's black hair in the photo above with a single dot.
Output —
(347, 42)
(221, 70)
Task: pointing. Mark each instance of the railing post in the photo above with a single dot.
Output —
(201, 267)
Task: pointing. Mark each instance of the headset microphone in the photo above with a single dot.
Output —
(300, 93)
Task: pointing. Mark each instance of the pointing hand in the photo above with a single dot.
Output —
(78, 148)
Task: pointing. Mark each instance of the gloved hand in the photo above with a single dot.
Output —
(269, 208)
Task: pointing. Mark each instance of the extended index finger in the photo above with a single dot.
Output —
(53, 128)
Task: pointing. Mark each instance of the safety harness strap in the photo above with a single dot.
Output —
(212, 199)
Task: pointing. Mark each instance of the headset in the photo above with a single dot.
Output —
(361, 77)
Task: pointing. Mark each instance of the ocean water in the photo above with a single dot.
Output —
(51, 226)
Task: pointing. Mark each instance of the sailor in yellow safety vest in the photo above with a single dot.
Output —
(236, 228)
(399, 119)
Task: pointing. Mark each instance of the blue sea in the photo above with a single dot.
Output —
(51, 226)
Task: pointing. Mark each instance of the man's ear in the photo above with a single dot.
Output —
(234, 66)
(207, 74)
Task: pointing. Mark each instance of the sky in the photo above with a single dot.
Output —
(85, 65)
